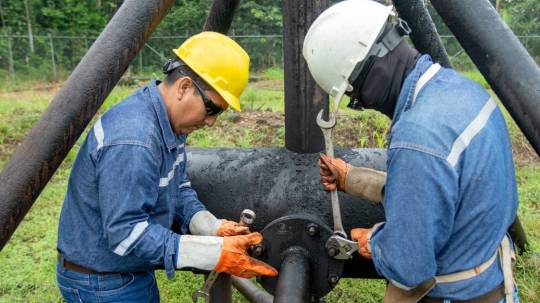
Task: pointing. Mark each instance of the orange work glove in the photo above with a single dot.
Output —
(235, 261)
(362, 235)
(230, 228)
(333, 172)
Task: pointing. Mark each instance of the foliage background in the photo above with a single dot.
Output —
(74, 24)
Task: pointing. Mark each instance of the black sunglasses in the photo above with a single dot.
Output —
(211, 108)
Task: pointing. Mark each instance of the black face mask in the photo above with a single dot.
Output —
(379, 84)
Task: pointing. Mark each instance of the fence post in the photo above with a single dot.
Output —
(52, 55)
(10, 58)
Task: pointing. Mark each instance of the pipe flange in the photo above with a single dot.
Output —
(303, 231)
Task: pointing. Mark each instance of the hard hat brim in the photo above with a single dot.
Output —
(231, 99)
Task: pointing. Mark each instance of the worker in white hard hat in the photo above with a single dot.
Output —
(449, 192)
(129, 184)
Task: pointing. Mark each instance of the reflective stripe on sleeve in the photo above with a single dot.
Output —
(136, 232)
(165, 181)
(98, 132)
(464, 139)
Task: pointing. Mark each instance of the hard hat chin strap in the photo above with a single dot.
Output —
(389, 39)
(170, 65)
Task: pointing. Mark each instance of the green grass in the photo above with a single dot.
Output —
(27, 262)
(273, 73)
(476, 76)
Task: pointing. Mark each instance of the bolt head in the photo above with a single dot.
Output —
(332, 251)
(333, 279)
(258, 250)
(312, 229)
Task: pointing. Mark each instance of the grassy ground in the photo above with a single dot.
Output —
(27, 262)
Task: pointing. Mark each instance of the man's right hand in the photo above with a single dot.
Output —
(333, 172)
(235, 261)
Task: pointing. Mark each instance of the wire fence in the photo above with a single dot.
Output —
(53, 57)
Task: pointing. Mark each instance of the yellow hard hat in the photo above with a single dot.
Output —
(219, 61)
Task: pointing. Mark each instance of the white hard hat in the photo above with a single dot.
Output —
(341, 38)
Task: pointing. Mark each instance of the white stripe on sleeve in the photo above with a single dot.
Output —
(98, 132)
(136, 232)
(464, 139)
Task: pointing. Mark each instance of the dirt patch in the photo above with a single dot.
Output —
(43, 90)
(348, 133)
(524, 154)
(269, 84)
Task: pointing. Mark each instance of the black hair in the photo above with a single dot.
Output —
(176, 69)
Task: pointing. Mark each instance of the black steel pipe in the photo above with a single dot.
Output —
(506, 65)
(424, 33)
(303, 98)
(221, 16)
(45, 147)
(293, 281)
(276, 182)
(251, 292)
(221, 291)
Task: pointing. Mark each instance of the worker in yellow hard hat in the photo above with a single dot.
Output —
(129, 183)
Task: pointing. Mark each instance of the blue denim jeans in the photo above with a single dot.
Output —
(131, 287)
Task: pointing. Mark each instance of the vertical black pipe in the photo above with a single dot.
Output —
(221, 291)
(251, 292)
(500, 57)
(221, 16)
(293, 281)
(45, 147)
(424, 33)
(303, 98)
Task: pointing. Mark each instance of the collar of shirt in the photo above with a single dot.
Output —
(171, 139)
(409, 85)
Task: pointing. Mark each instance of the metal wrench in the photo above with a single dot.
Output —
(247, 217)
(204, 292)
(326, 127)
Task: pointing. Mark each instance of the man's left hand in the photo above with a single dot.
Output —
(362, 235)
(230, 228)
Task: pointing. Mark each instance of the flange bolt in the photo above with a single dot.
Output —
(312, 229)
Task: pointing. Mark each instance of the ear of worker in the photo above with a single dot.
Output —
(220, 245)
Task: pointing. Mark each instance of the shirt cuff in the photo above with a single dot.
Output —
(169, 259)
(201, 252)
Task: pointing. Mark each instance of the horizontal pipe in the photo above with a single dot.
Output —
(250, 291)
(275, 182)
(293, 280)
(501, 58)
(45, 147)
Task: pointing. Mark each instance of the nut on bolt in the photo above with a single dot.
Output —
(312, 229)
(333, 279)
(332, 251)
(257, 250)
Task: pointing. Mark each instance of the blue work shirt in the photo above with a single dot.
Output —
(450, 192)
(126, 187)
